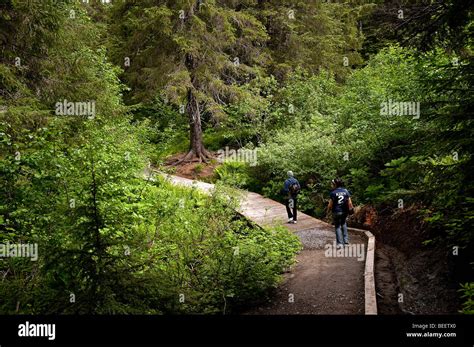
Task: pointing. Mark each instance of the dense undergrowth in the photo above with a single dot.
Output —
(307, 98)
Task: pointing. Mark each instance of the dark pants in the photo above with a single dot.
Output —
(341, 228)
(288, 209)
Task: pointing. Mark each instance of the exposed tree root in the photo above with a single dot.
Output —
(192, 156)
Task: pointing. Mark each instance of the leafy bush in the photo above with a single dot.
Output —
(117, 243)
(467, 290)
(235, 174)
(312, 159)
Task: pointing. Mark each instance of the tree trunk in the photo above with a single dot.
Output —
(194, 114)
(196, 147)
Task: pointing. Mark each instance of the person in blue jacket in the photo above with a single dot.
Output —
(340, 204)
(291, 188)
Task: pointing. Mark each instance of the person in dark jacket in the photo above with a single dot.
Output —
(340, 204)
(291, 188)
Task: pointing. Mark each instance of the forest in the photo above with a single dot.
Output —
(95, 95)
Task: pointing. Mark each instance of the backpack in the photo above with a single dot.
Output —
(294, 189)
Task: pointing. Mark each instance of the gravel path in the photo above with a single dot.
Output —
(319, 284)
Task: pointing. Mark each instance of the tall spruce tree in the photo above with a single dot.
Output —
(196, 54)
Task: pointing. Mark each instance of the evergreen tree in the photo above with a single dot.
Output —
(197, 54)
(312, 35)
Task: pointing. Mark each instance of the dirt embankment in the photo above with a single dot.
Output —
(410, 277)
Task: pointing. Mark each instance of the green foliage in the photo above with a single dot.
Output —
(303, 102)
(122, 244)
(109, 241)
(213, 258)
(301, 109)
(249, 120)
(200, 57)
(453, 20)
(165, 129)
(312, 34)
(467, 290)
(198, 168)
(236, 174)
(421, 160)
(178, 241)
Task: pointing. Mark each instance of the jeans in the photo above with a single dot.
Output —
(288, 210)
(340, 222)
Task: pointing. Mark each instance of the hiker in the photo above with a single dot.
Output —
(291, 188)
(340, 205)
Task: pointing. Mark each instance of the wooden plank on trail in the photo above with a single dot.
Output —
(260, 210)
